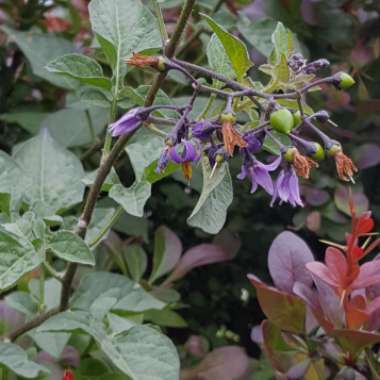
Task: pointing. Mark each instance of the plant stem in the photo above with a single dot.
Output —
(116, 215)
(41, 305)
(102, 173)
(161, 23)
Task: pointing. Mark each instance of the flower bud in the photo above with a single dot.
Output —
(322, 116)
(319, 153)
(227, 117)
(344, 80)
(141, 60)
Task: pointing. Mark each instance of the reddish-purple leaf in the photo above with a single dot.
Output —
(355, 341)
(197, 346)
(257, 334)
(367, 155)
(224, 363)
(283, 309)
(322, 271)
(315, 197)
(341, 198)
(229, 241)
(287, 258)
(202, 254)
(368, 275)
(299, 370)
(167, 252)
(330, 303)
(336, 263)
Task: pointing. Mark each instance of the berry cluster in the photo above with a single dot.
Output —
(221, 136)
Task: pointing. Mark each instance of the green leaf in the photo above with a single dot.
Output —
(22, 302)
(210, 212)
(18, 257)
(40, 48)
(136, 260)
(15, 359)
(280, 39)
(129, 295)
(133, 198)
(166, 318)
(218, 59)
(271, 146)
(167, 252)
(28, 120)
(41, 159)
(144, 148)
(142, 352)
(82, 68)
(258, 34)
(235, 48)
(53, 343)
(123, 27)
(70, 247)
(74, 127)
(101, 218)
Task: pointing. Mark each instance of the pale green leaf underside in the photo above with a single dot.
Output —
(15, 358)
(141, 352)
(127, 24)
(40, 48)
(133, 198)
(80, 67)
(70, 247)
(41, 158)
(210, 212)
(18, 257)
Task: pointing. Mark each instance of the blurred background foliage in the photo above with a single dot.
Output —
(218, 303)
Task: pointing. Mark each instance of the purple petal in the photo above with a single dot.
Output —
(128, 123)
(262, 177)
(162, 161)
(243, 173)
(294, 198)
(270, 167)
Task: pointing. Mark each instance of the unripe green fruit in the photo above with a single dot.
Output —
(282, 120)
(346, 81)
(335, 148)
(296, 118)
(319, 153)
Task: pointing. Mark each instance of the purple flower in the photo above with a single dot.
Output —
(129, 122)
(186, 151)
(287, 188)
(254, 141)
(203, 129)
(214, 153)
(258, 173)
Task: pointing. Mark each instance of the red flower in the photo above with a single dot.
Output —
(68, 375)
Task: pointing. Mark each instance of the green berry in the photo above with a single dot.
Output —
(333, 149)
(296, 118)
(346, 81)
(319, 153)
(282, 120)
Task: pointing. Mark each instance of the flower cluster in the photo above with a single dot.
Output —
(228, 134)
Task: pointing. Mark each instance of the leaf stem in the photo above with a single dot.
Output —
(116, 215)
(102, 173)
(161, 23)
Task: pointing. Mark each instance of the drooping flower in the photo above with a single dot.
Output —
(258, 173)
(129, 122)
(302, 164)
(286, 188)
(141, 60)
(345, 168)
(183, 153)
(254, 141)
(231, 137)
(203, 129)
